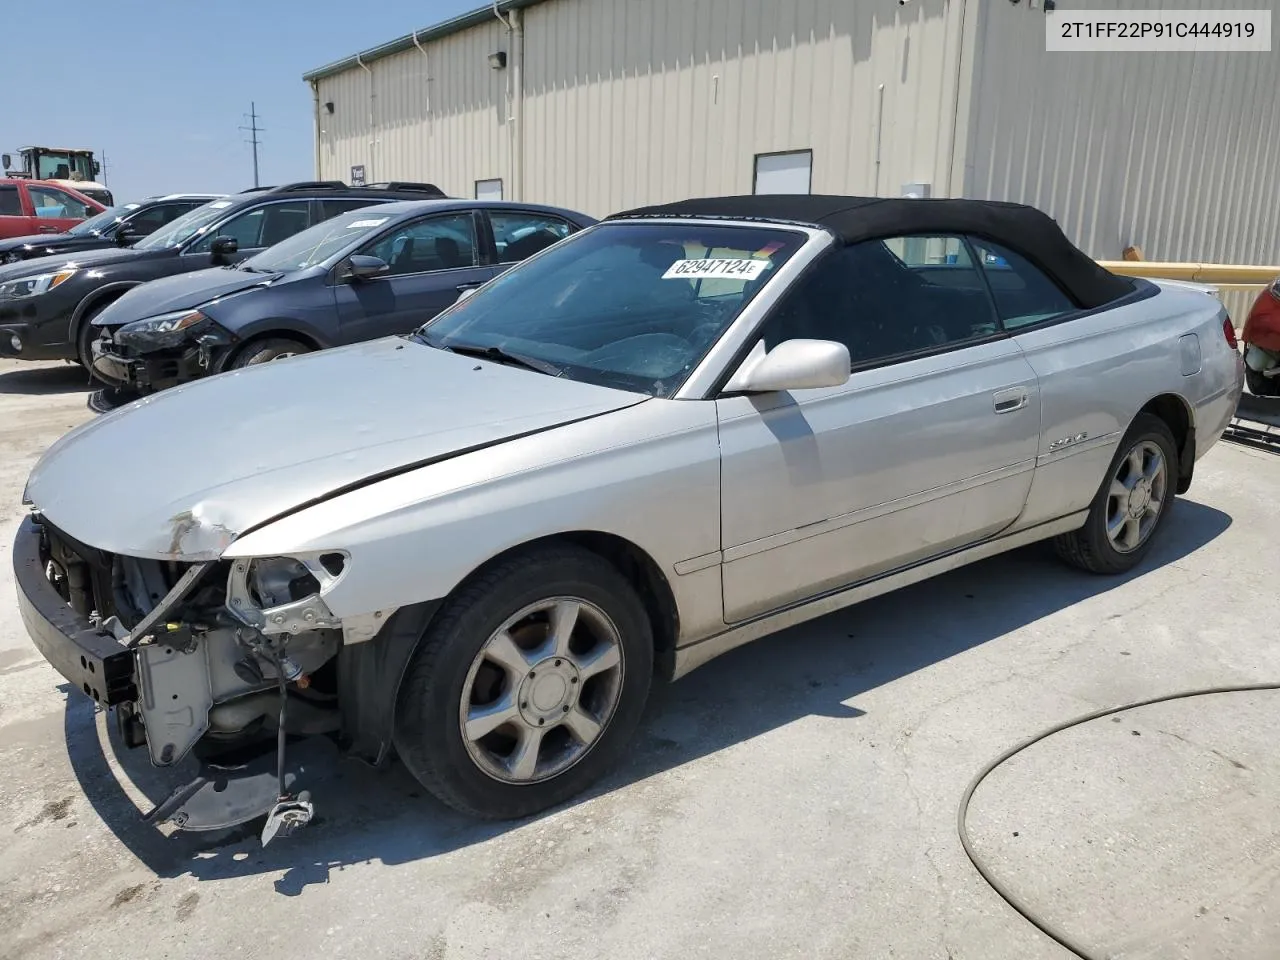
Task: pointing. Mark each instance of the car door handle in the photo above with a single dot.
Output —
(47, 230)
(1007, 401)
(469, 286)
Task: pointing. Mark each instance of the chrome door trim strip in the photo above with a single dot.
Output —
(693, 655)
(819, 527)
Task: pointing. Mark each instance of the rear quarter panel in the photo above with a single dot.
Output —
(1099, 370)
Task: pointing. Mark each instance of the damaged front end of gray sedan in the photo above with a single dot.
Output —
(235, 600)
(232, 660)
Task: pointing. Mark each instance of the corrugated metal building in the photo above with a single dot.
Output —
(601, 105)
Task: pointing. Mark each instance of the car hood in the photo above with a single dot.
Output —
(179, 292)
(181, 474)
(84, 259)
(37, 240)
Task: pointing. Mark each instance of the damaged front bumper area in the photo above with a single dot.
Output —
(149, 362)
(225, 660)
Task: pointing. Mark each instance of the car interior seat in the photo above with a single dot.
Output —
(403, 260)
(281, 225)
(528, 245)
(449, 253)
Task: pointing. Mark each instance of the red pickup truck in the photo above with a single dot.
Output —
(34, 206)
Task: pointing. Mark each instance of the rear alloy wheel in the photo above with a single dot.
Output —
(264, 351)
(528, 684)
(1131, 504)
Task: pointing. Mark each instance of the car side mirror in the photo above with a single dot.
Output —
(466, 292)
(361, 267)
(222, 248)
(792, 365)
(126, 234)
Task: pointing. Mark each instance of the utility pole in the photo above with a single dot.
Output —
(104, 168)
(254, 130)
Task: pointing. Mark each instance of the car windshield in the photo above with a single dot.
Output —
(317, 244)
(96, 224)
(184, 227)
(628, 305)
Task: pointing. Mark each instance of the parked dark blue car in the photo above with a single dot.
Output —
(367, 273)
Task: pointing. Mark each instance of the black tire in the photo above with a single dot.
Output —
(85, 337)
(428, 729)
(1261, 386)
(1089, 548)
(264, 351)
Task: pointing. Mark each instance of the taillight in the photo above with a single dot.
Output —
(1229, 331)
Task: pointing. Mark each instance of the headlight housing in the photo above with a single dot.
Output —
(158, 333)
(285, 594)
(166, 322)
(26, 287)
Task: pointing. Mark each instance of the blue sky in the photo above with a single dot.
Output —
(162, 87)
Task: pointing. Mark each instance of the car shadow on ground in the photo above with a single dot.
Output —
(383, 815)
(46, 380)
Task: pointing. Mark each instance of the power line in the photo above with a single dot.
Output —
(254, 129)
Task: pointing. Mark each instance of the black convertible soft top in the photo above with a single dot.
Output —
(1024, 229)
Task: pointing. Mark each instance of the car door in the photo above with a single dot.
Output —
(930, 445)
(14, 220)
(255, 229)
(55, 210)
(1073, 352)
(429, 262)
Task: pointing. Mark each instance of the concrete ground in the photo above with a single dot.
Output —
(796, 798)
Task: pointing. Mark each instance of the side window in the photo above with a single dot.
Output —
(52, 202)
(440, 243)
(10, 202)
(887, 298)
(154, 218)
(260, 227)
(519, 236)
(331, 208)
(1023, 294)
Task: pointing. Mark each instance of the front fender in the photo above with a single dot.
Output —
(649, 474)
(100, 295)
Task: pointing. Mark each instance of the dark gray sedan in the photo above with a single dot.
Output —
(364, 274)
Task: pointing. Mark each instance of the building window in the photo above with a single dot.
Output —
(489, 189)
(790, 172)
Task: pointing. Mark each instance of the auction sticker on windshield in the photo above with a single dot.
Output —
(725, 268)
(366, 223)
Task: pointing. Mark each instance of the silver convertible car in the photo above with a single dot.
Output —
(679, 430)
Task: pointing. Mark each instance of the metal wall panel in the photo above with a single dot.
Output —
(1172, 152)
(439, 115)
(639, 101)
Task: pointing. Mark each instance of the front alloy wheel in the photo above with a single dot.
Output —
(541, 690)
(528, 683)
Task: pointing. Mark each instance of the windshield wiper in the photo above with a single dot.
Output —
(498, 355)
